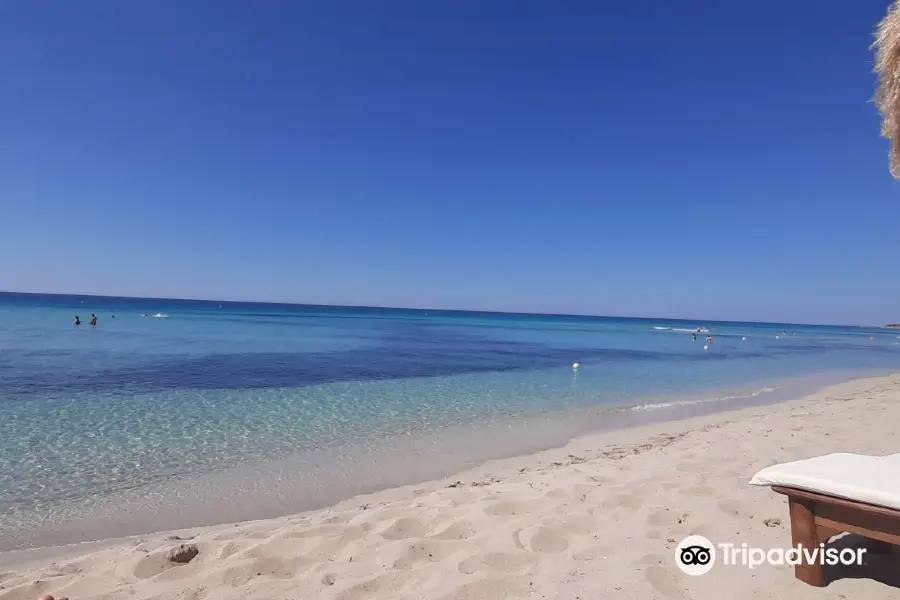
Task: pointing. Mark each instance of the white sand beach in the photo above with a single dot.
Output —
(597, 519)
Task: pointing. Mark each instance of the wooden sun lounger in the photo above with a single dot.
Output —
(816, 518)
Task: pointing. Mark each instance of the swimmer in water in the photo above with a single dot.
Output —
(77, 320)
(93, 319)
(694, 338)
(709, 339)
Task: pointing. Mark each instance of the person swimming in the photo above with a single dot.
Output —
(709, 339)
(93, 319)
(77, 320)
(694, 338)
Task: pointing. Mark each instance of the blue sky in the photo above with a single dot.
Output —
(693, 159)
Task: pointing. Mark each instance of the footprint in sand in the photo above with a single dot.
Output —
(698, 490)
(733, 508)
(583, 488)
(423, 552)
(575, 492)
(229, 549)
(484, 589)
(387, 513)
(233, 577)
(260, 568)
(388, 584)
(505, 562)
(327, 546)
(622, 501)
(507, 509)
(736, 473)
(577, 525)
(545, 539)
(666, 518)
(595, 553)
(313, 532)
(457, 531)
(404, 529)
(692, 466)
(463, 498)
(652, 559)
(283, 548)
(153, 565)
(664, 581)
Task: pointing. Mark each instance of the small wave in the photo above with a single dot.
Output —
(160, 316)
(764, 390)
(683, 329)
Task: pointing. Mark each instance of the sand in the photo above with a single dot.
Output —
(597, 519)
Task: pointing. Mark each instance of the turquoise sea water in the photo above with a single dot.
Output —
(102, 427)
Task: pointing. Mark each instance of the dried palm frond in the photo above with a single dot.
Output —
(887, 66)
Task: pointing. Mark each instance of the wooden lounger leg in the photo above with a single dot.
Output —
(803, 533)
(823, 534)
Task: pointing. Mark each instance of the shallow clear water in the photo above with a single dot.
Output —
(93, 416)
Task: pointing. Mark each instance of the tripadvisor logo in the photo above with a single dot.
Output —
(696, 555)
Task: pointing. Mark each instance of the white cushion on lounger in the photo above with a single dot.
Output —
(870, 479)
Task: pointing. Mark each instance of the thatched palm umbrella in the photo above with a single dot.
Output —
(887, 66)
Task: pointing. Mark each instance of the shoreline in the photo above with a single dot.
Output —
(322, 478)
(620, 458)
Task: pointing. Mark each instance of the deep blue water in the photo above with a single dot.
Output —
(88, 412)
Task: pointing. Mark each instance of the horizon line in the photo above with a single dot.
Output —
(412, 308)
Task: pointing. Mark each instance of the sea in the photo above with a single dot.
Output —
(180, 413)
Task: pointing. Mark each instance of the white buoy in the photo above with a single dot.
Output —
(575, 366)
(706, 347)
(743, 338)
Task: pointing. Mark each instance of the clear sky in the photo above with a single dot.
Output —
(685, 159)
